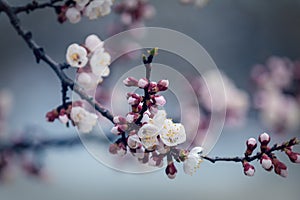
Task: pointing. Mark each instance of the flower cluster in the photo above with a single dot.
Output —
(147, 132)
(134, 11)
(236, 103)
(74, 112)
(267, 159)
(92, 62)
(277, 93)
(73, 10)
(133, 14)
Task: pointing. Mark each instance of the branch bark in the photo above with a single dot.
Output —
(40, 54)
(276, 147)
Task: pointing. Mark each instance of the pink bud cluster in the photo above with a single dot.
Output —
(62, 113)
(267, 159)
(151, 88)
(143, 108)
(134, 12)
(277, 95)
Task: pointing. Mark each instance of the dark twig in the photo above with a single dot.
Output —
(40, 54)
(35, 6)
(147, 62)
(276, 147)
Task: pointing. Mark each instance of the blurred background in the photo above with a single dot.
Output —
(238, 34)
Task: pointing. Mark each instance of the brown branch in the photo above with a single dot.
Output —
(147, 62)
(35, 6)
(269, 152)
(40, 54)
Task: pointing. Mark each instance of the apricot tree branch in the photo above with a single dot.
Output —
(40, 54)
(34, 6)
(276, 147)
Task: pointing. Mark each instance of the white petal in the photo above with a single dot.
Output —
(148, 130)
(93, 42)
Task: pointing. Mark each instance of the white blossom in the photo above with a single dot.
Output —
(98, 8)
(76, 56)
(63, 118)
(73, 15)
(172, 134)
(134, 141)
(93, 43)
(99, 63)
(81, 3)
(148, 135)
(84, 120)
(87, 80)
(192, 163)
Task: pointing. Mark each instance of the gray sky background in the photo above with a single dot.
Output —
(236, 33)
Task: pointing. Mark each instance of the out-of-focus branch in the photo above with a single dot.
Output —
(40, 54)
(42, 144)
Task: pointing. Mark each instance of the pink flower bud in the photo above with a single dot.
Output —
(144, 159)
(156, 160)
(113, 148)
(251, 145)
(171, 170)
(143, 83)
(249, 169)
(266, 162)
(52, 115)
(130, 81)
(163, 85)
(122, 127)
(121, 151)
(153, 87)
(293, 156)
(153, 110)
(280, 168)
(264, 139)
(115, 130)
(134, 99)
(63, 118)
(132, 117)
(134, 142)
(119, 120)
(159, 100)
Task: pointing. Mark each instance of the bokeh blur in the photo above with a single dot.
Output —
(238, 34)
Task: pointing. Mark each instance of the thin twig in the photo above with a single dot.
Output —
(56, 67)
(35, 6)
(147, 63)
(276, 147)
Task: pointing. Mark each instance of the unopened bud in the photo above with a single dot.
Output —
(266, 162)
(63, 118)
(293, 156)
(160, 100)
(119, 120)
(143, 83)
(251, 145)
(115, 130)
(171, 170)
(249, 169)
(130, 81)
(153, 87)
(163, 85)
(264, 138)
(280, 168)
